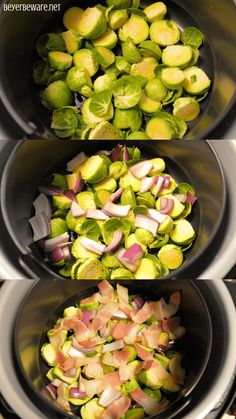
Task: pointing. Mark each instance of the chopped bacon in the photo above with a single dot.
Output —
(156, 366)
(89, 344)
(62, 399)
(117, 408)
(93, 298)
(121, 357)
(71, 373)
(156, 308)
(86, 360)
(127, 372)
(143, 353)
(173, 306)
(150, 406)
(123, 295)
(67, 364)
(60, 357)
(71, 323)
(105, 288)
(92, 387)
(151, 335)
(57, 339)
(112, 379)
(171, 324)
(175, 299)
(126, 331)
(142, 315)
(93, 370)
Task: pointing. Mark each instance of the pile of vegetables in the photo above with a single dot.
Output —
(116, 71)
(113, 355)
(114, 216)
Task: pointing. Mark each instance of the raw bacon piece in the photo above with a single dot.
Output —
(112, 379)
(105, 288)
(150, 406)
(151, 335)
(117, 408)
(126, 331)
(143, 353)
(173, 306)
(171, 324)
(156, 308)
(62, 398)
(60, 357)
(121, 357)
(142, 315)
(68, 364)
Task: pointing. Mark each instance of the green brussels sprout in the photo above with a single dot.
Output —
(121, 273)
(166, 226)
(155, 11)
(177, 56)
(122, 65)
(128, 119)
(177, 209)
(131, 385)
(90, 229)
(183, 232)
(195, 81)
(101, 196)
(108, 39)
(61, 201)
(131, 52)
(186, 108)
(106, 131)
(160, 129)
(172, 77)
(42, 72)
(50, 42)
(92, 23)
(132, 239)
(72, 17)
(90, 118)
(128, 197)
(164, 32)
(114, 224)
(156, 90)
(171, 256)
(103, 83)
(103, 56)
(94, 169)
(148, 105)
(154, 394)
(91, 410)
(79, 251)
(110, 261)
(86, 91)
(150, 379)
(84, 58)
(117, 169)
(57, 75)
(73, 221)
(127, 93)
(135, 28)
(117, 18)
(146, 199)
(129, 180)
(56, 95)
(146, 68)
(65, 121)
(58, 227)
(144, 236)
(137, 135)
(119, 4)
(158, 166)
(109, 184)
(100, 103)
(78, 77)
(192, 36)
(150, 49)
(72, 39)
(135, 413)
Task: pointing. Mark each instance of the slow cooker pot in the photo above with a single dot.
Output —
(20, 30)
(34, 300)
(194, 162)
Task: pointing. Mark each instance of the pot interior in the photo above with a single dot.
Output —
(193, 162)
(20, 30)
(47, 299)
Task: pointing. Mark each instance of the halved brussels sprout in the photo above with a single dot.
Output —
(177, 55)
(146, 199)
(122, 65)
(117, 18)
(100, 103)
(94, 169)
(146, 270)
(59, 60)
(135, 28)
(132, 239)
(155, 11)
(84, 58)
(156, 90)
(65, 121)
(104, 56)
(144, 236)
(137, 135)
(119, 4)
(90, 118)
(105, 131)
(72, 17)
(72, 39)
(108, 39)
(129, 180)
(117, 169)
(58, 227)
(131, 52)
(92, 23)
(172, 77)
(110, 261)
(196, 81)
(86, 200)
(145, 68)
(150, 49)
(186, 108)
(56, 95)
(42, 72)
(108, 184)
(164, 32)
(50, 42)
(103, 83)
(91, 409)
(149, 105)
(121, 273)
(127, 92)
(160, 129)
(128, 197)
(192, 36)
(171, 256)
(128, 118)
(78, 77)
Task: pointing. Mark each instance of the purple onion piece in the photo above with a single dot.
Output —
(70, 195)
(126, 156)
(49, 190)
(116, 153)
(78, 186)
(75, 393)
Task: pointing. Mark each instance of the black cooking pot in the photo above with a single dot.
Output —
(20, 30)
(194, 162)
(46, 301)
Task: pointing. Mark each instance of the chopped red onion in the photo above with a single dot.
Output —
(75, 393)
(70, 195)
(93, 245)
(147, 183)
(132, 267)
(71, 373)
(50, 190)
(104, 152)
(191, 198)
(166, 205)
(52, 390)
(158, 216)
(113, 346)
(51, 244)
(160, 182)
(133, 253)
(119, 315)
(148, 223)
(139, 301)
(78, 186)
(181, 197)
(96, 214)
(87, 314)
(108, 396)
(116, 153)
(42, 204)
(40, 225)
(57, 255)
(115, 243)
(166, 183)
(116, 195)
(76, 210)
(116, 210)
(126, 156)
(76, 161)
(141, 169)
